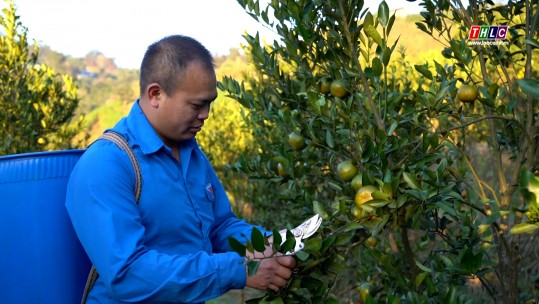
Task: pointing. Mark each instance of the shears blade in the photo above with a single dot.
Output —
(303, 231)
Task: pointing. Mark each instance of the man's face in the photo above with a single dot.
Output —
(181, 116)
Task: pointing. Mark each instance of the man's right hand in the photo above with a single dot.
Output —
(272, 273)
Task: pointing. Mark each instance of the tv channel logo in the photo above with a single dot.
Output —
(488, 32)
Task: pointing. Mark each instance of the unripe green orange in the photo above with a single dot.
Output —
(366, 289)
(337, 88)
(281, 170)
(467, 93)
(356, 212)
(346, 170)
(296, 141)
(325, 85)
(371, 242)
(357, 182)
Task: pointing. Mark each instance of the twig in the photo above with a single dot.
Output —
(487, 286)
(476, 121)
(353, 53)
(472, 169)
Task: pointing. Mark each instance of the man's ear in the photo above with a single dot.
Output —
(155, 93)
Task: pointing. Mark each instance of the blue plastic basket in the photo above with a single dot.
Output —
(41, 259)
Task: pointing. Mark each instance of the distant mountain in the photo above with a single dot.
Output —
(106, 91)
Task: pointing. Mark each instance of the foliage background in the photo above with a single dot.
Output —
(451, 177)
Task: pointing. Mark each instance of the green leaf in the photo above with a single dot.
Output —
(377, 67)
(379, 224)
(390, 24)
(383, 13)
(335, 186)
(249, 247)
(344, 239)
(369, 20)
(422, 267)
(352, 226)
(313, 245)
(237, 246)
(446, 207)
(252, 267)
(470, 262)
(420, 278)
(392, 128)
(368, 152)
(533, 185)
(423, 28)
(373, 33)
(411, 181)
(290, 242)
(386, 56)
(302, 255)
(483, 228)
(379, 196)
(277, 239)
(257, 238)
(327, 243)
(524, 228)
(424, 70)
(446, 261)
(487, 100)
(319, 209)
(532, 42)
(329, 139)
(529, 187)
(529, 86)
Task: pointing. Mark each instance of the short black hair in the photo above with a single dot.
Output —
(165, 61)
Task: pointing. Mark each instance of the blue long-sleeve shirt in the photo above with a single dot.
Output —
(173, 246)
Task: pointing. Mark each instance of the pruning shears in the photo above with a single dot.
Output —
(301, 232)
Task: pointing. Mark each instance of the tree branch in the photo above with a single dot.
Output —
(476, 121)
(355, 58)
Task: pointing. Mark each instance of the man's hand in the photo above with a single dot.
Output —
(272, 273)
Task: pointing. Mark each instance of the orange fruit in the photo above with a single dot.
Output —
(356, 212)
(346, 170)
(467, 93)
(296, 141)
(338, 88)
(371, 242)
(281, 170)
(366, 289)
(325, 85)
(364, 194)
(357, 182)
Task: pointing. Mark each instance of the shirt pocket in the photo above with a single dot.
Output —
(204, 201)
(209, 190)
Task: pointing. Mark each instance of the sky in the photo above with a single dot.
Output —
(123, 29)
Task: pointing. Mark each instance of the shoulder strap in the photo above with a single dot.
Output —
(122, 143)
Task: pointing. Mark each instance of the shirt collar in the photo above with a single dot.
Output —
(142, 130)
(145, 135)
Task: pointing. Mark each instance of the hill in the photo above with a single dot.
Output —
(106, 91)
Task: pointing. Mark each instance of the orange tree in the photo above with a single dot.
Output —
(442, 205)
(38, 105)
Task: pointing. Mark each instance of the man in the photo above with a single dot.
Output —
(171, 246)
